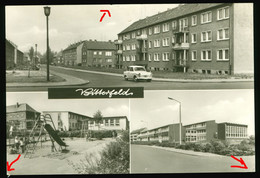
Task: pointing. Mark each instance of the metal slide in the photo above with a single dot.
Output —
(54, 135)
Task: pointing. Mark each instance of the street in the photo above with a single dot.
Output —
(101, 80)
(146, 159)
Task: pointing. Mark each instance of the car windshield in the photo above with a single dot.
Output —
(139, 69)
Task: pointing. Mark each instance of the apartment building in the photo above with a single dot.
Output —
(232, 132)
(90, 53)
(202, 131)
(13, 56)
(109, 123)
(68, 121)
(135, 133)
(210, 38)
(169, 133)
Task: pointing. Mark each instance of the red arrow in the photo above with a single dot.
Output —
(105, 11)
(241, 161)
(9, 166)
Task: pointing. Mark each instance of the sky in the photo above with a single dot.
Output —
(26, 25)
(40, 102)
(155, 110)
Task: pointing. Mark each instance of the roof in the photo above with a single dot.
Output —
(179, 11)
(46, 112)
(199, 123)
(74, 45)
(229, 123)
(19, 107)
(100, 45)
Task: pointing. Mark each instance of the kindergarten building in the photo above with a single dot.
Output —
(209, 38)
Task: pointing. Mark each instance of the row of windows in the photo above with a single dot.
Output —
(107, 53)
(129, 58)
(107, 122)
(235, 131)
(206, 36)
(101, 60)
(206, 55)
(206, 17)
(196, 131)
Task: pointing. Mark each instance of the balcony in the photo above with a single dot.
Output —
(141, 37)
(181, 46)
(141, 50)
(117, 42)
(180, 63)
(119, 52)
(181, 30)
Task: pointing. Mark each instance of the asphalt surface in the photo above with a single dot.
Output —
(145, 159)
(101, 80)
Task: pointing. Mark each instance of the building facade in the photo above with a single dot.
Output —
(21, 116)
(232, 132)
(14, 57)
(68, 121)
(109, 123)
(198, 38)
(72, 54)
(135, 133)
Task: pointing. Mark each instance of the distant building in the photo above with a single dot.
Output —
(22, 115)
(232, 132)
(210, 38)
(90, 53)
(14, 57)
(109, 123)
(68, 121)
(134, 134)
(58, 58)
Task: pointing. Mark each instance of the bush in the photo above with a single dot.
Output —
(217, 145)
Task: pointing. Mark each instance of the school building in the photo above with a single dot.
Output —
(210, 38)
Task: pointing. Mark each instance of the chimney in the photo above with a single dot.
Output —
(17, 105)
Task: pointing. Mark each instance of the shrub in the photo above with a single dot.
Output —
(217, 145)
(208, 148)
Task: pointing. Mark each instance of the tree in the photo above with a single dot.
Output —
(51, 55)
(98, 117)
(31, 53)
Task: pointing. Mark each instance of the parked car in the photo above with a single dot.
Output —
(137, 73)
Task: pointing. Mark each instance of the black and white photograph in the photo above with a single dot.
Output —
(155, 46)
(193, 132)
(67, 136)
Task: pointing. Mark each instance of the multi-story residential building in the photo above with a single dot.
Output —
(68, 121)
(21, 116)
(91, 53)
(232, 132)
(134, 134)
(202, 131)
(58, 58)
(109, 123)
(14, 57)
(169, 133)
(215, 38)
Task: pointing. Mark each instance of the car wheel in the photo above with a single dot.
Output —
(135, 79)
(125, 78)
(149, 80)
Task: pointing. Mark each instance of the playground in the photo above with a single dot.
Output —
(43, 151)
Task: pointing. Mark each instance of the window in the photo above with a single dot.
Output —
(194, 38)
(133, 34)
(223, 34)
(108, 53)
(206, 36)
(117, 122)
(95, 52)
(150, 57)
(223, 55)
(174, 25)
(173, 39)
(127, 47)
(123, 58)
(206, 55)
(133, 46)
(123, 47)
(133, 58)
(100, 53)
(156, 57)
(194, 20)
(106, 122)
(183, 23)
(165, 27)
(223, 13)
(165, 42)
(156, 43)
(144, 32)
(111, 122)
(150, 31)
(206, 17)
(108, 60)
(150, 44)
(165, 56)
(157, 29)
(127, 58)
(194, 55)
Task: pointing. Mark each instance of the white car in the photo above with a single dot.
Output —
(137, 73)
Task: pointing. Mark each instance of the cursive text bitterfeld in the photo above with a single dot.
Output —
(101, 92)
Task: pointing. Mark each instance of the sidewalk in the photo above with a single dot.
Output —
(70, 81)
(188, 152)
(167, 79)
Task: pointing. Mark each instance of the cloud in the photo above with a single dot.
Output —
(122, 110)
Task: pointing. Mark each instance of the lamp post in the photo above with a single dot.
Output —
(179, 114)
(47, 11)
(35, 59)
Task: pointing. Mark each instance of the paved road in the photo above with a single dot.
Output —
(146, 159)
(100, 80)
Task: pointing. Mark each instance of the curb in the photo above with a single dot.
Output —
(166, 79)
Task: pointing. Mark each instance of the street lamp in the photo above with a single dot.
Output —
(35, 59)
(179, 114)
(47, 11)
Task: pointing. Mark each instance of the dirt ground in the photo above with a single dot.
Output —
(43, 161)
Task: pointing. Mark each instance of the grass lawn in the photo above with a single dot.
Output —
(170, 74)
(21, 76)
